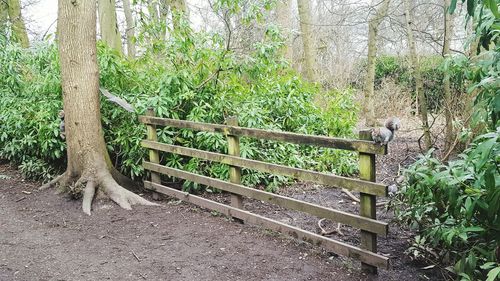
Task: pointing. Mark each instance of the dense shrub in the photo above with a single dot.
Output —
(191, 77)
(456, 208)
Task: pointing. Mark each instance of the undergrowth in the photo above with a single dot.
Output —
(192, 77)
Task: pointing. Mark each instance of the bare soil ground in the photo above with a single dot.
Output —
(47, 237)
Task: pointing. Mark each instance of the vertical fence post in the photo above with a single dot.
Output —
(368, 202)
(154, 156)
(234, 172)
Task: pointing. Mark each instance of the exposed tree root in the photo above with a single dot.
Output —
(59, 180)
(120, 195)
(122, 179)
(90, 182)
(325, 232)
(88, 196)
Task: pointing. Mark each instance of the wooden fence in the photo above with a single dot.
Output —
(365, 221)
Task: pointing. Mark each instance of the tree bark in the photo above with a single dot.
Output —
(373, 27)
(110, 33)
(448, 103)
(283, 12)
(19, 33)
(89, 167)
(415, 65)
(307, 39)
(129, 19)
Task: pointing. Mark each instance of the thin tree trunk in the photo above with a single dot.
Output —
(153, 10)
(417, 76)
(179, 11)
(4, 14)
(305, 18)
(19, 33)
(109, 26)
(283, 12)
(448, 104)
(129, 19)
(89, 166)
(373, 26)
(164, 8)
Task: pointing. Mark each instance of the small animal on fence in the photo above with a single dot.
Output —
(384, 135)
(62, 129)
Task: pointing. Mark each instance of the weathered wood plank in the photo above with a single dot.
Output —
(313, 209)
(154, 156)
(334, 246)
(233, 148)
(367, 202)
(301, 174)
(323, 141)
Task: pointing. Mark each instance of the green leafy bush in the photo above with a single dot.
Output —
(456, 208)
(190, 77)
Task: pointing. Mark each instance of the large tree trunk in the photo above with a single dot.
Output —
(109, 26)
(88, 167)
(129, 19)
(448, 103)
(19, 33)
(306, 33)
(422, 101)
(373, 26)
(283, 12)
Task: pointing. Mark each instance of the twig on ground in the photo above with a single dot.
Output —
(135, 256)
(325, 233)
(354, 198)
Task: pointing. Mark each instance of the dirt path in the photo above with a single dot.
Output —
(47, 237)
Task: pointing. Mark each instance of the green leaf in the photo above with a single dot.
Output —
(488, 265)
(463, 236)
(494, 8)
(453, 6)
(471, 6)
(492, 275)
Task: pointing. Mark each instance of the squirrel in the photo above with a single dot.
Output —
(61, 125)
(384, 135)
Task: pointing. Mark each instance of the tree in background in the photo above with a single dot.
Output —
(10, 11)
(283, 15)
(89, 167)
(307, 36)
(415, 65)
(4, 16)
(373, 26)
(130, 26)
(448, 104)
(179, 11)
(108, 24)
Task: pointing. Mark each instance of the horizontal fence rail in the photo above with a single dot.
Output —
(301, 174)
(338, 143)
(366, 185)
(283, 201)
(334, 246)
